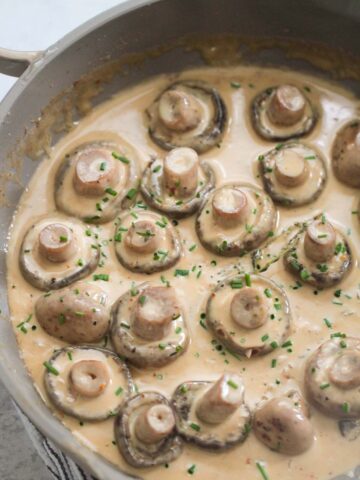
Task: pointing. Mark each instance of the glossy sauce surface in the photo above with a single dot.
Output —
(234, 160)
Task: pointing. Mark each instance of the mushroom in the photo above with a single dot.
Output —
(293, 174)
(283, 424)
(320, 255)
(235, 219)
(346, 154)
(188, 113)
(76, 314)
(97, 180)
(148, 326)
(146, 242)
(332, 377)
(178, 184)
(145, 433)
(282, 112)
(56, 252)
(249, 315)
(87, 383)
(212, 415)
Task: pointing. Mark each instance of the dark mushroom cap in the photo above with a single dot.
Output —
(155, 193)
(319, 274)
(204, 136)
(233, 431)
(105, 205)
(168, 246)
(136, 452)
(48, 275)
(346, 154)
(57, 379)
(76, 314)
(242, 237)
(332, 377)
(267, 129)
(244, 341)
(308, 182)
(283, 424)
(138, 351)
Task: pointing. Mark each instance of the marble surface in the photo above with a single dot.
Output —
(32, 25)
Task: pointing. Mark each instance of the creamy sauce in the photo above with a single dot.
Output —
(235, 160)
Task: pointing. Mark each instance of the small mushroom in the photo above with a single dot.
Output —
(97, 180)
(187, 113)
(332, 377)
(56, 252)
(146, 242)
(320, 255)
(235, 219)
(346, 154)
(178, 184)
(282, 112)
(76, 314)
(293, 174)
(145, 433)
(148, 326)
(87, 383)
(249, 315)
(212, 415)
(283, 424)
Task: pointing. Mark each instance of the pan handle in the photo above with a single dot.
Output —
(14, 63)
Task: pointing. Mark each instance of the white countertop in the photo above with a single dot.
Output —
(32, 25)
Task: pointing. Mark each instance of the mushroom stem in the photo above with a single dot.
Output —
(319, 241)
(345, 371)
(89, 378)
(142, 237)
(230, 207)
(181, 171)
(95, 170)
(249, 308)
(155, 308)
(287, 105)
(154, 423)
(221, 400)
(179, 111)
(56, 243)
(291, 169)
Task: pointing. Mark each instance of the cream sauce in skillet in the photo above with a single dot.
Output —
(235, 160)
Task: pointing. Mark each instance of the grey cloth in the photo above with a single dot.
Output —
(59, 465)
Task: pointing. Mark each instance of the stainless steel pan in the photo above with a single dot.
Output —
(134, 27)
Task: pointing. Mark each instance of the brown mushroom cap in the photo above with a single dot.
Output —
(56, 252)
(76, 314)
(187, 114)
(137, 449)
(247, 224)
(332, 377)
(88, 383)
(228, 426)
(346, 154)
(147, 243)
(320, 254)
(282, 112)
(176, 195)
(293, 174)
(283, 425)
(161, 342)
(97, 180)
(248, 336)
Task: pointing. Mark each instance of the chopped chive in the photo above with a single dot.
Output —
(63, 238)
(236, 283)
(181, 273)
(178, 330)
(61, 319)
(277, 306)
(183, 389)
(69, 355)
(265, 337)
(179, 202)
(274, 344)
(199, 273)
(288, 343)
(162, 346)
(163, 280)
(195, 426)
(232, 384)
(327, 323)
(324, 385)
(247, 280)
(125, 325)
(101, 276)
(343, 344)
(191, 469)
(79, 314)
(268, 293)
(120, 157)
(80, 263)
(142, 299)
(310, 157)
(213, 263)
(262, 471)
(345, 407)
(157, 169)
(119, 391)
(337, 293)
(323, 235)
(235, 85)
(273, 363)
(279, 146)
(111, 191)
(163, 222)
(131, 193)
(102, 166)
(88, 232)
(192, 248)
(50, 368)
